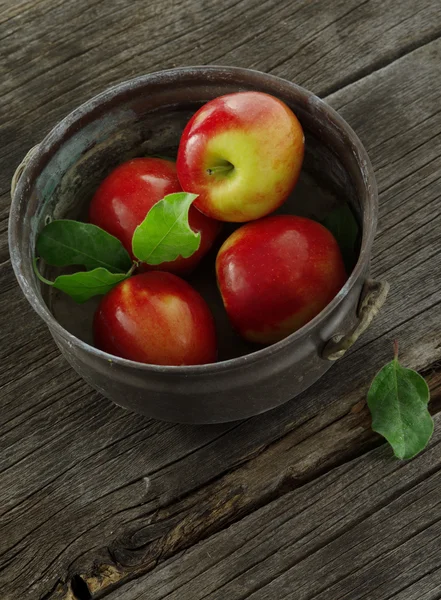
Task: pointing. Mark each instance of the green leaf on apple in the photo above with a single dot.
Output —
(165, 233)
(84, 285)
(64, 242)
(342, 223)
(398, 400)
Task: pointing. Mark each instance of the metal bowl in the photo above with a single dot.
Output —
(147, 115)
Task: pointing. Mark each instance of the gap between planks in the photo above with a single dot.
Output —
(106, 580)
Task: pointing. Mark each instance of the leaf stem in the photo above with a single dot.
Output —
(134, 266)
(396, 349)
(38, 274)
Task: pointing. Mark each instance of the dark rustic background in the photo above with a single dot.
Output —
(296, 504)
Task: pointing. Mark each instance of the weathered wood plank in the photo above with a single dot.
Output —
(78, 478)
(323, 441)
(406, 278)
(61, 53)
(368, 529)
(153, 523)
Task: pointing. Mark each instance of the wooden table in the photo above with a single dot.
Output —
(305, 502)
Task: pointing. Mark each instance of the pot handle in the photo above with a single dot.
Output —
(372, 299)
(21, 167)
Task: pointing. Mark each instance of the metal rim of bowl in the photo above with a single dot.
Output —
(54, 137)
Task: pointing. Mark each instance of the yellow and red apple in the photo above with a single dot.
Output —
(276, 274)
(156, 318)
(242, 154)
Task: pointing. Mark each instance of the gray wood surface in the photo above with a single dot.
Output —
(368, 529)
(88, 489)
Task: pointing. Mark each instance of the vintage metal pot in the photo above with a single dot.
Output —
(146, 115)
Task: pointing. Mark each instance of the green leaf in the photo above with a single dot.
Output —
(344, 227)
(83, 286)
(398, 400)
(165, 233)
(63, 243)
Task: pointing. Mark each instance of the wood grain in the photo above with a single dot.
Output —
(86, 488)
(368, 529)
(60, 53)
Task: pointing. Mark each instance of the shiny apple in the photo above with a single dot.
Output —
(277, 274)
(156, 318)
(242, 153)
(127, 194)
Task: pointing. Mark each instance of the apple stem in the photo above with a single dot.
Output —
(220, 169)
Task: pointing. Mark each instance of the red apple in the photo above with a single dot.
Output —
(156, 318)
(242, 153)
(125, 197)
(276, 274)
